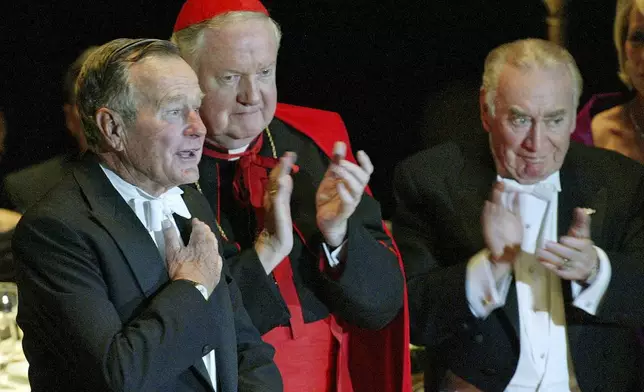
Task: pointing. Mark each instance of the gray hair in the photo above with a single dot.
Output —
(527, 54)
(620, 34)
(69, 81)
(190, 40)
(104, 82)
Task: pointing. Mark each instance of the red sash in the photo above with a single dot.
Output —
(304, 353)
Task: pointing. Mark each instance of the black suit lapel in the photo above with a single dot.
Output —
(112, 212)
(578, 193)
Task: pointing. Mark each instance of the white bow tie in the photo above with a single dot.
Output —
(540, 190)
(152, 212)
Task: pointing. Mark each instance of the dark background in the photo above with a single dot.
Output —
(403, 74)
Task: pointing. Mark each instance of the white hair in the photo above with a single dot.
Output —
(190, 40)
(527, 54)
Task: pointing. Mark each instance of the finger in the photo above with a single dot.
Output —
(345, 195)
(350, 181)
(356, 171)
(198, 233)
(562, 273)
(171, 237)
(286, 162)
(339, 151)
(365, 162)
(579, 244)
(497, 193)
(516, 205)
(545, 257)
(284, 188)
(580, 226)
(560, 251)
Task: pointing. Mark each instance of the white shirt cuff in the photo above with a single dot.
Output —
(484, 294)
(589, 298)
(332, 257)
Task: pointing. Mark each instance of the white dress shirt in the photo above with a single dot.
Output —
(152, 211)
(544, 363)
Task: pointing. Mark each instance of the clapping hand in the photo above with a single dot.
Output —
(340, 192)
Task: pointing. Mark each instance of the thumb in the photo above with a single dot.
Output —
(580, 226)
(172, 241)
(339, 151)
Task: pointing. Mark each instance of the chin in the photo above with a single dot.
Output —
(189, 176)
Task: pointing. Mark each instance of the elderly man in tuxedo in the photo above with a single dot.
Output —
(121, 283)
(524, 254)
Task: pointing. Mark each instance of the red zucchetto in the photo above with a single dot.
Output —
(196, 11)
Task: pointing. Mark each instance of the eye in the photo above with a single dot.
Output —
(266, 72)
(555, 121)
(228, 79)
(174, 112)
(520, 121)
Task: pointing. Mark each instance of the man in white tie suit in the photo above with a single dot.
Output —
(119, 272)
(524, 254)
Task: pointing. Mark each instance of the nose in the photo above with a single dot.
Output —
(534, 139)
(248, 93)
(196, 127)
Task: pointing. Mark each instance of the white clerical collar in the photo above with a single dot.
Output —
(238, 150)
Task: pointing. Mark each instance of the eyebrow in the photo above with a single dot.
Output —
(166, 101)
(261, 66)
(517, 112)
(556, 113)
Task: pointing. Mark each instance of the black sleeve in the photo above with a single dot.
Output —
(368, 291)
(622, 302)
(259, 291)
(257, 371)
(437, 299)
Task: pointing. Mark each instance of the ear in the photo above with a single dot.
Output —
(486, 117)
(112, 129)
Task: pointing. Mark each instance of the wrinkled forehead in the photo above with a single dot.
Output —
(551, 85)
(158, 77)
(250, 41)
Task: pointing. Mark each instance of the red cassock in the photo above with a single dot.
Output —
(330, 354)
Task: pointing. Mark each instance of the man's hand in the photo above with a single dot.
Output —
(574, 257)
(199, 261)
(340, 192)
(502, 229)
(276, 240)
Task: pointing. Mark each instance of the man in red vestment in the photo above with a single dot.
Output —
(320, 276)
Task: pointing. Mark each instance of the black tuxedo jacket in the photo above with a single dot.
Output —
(440, 194)
(24, 188)
(99, 312)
